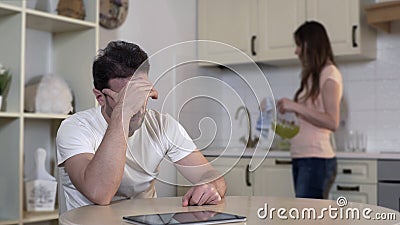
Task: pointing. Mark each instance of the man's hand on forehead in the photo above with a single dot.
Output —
(133, 93)
(141, 80)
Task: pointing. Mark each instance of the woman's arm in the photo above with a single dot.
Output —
(331, 100)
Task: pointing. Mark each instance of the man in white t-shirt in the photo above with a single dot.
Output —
(113, 151)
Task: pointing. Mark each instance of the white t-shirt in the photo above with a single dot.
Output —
(158, 136)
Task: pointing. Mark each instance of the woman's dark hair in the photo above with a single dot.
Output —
(316, 52)
(118, 60)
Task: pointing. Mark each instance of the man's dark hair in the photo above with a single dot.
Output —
(118, 60)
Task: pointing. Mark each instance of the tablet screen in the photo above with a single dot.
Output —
(195, 217)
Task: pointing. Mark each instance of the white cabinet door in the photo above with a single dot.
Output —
(343, 21)
(357, 171)
(356, 180)
(355, 192)
(274, 178)
(239, 180)
(339, 17)
(229, 21)
(277, 21)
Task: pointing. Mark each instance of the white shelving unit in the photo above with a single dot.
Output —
(38, 43)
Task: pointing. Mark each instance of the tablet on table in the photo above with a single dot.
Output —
(192, 218)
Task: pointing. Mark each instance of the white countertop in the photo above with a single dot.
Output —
(249, 152)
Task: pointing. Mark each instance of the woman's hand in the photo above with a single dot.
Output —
(286, 105)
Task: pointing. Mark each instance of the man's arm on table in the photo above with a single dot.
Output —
(209, 186)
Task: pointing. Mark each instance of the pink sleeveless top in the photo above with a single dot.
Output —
(313, 141)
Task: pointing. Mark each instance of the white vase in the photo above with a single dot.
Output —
(40, 195)
(40, 187)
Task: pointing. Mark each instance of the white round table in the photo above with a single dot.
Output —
(257, 209)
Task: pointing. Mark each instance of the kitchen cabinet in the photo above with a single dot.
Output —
(362, 193)
(356, 180)
(39, 43)
(227, 21)
(265, 30)
(277, 20)
(274, 178)
(346, 25)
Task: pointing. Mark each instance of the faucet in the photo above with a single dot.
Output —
(248, 141)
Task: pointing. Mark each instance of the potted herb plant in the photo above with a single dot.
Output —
(5, 82)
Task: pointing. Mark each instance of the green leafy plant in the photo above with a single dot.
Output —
(5, 80)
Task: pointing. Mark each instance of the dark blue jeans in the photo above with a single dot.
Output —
(313, 177)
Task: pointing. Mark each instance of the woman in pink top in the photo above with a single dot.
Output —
(316, 104)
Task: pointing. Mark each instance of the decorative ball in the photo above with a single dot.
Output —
(48, 94)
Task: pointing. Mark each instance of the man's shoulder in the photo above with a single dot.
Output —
(87, 123)
(154, 114)
(158, 119)
(83, 117)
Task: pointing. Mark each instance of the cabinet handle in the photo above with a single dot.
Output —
(347, 188)
(347, 171)
(253, 39)
(283, 162)
(355, 45)
(248, 183)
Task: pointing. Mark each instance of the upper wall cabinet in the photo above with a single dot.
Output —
(263, 29)
(230, 22)
(277, 20)
(350, 35)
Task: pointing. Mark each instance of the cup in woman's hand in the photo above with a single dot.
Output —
(286, 125)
